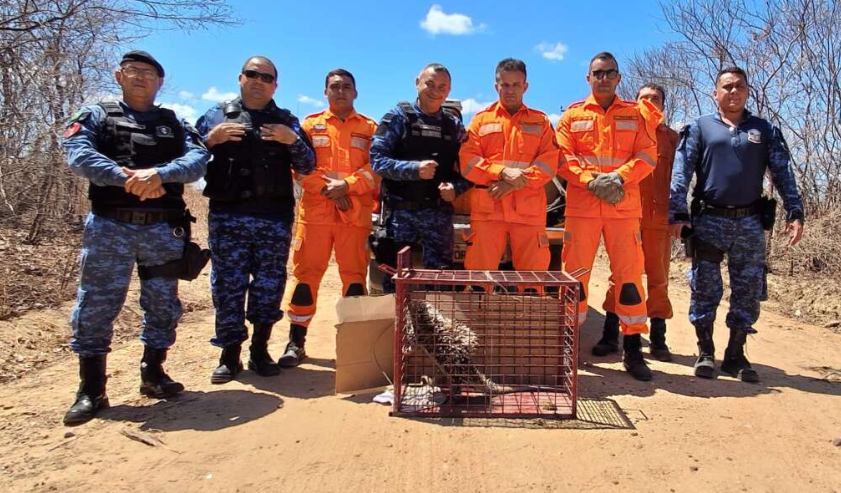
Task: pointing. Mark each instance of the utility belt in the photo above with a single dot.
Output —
(416, 205)
(140, 217)
(765, 208)
(193, 258)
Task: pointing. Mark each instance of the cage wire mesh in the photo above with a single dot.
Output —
(486, 344)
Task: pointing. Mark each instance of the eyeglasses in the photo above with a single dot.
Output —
(253, 74)
(141, 73)
(610, 74)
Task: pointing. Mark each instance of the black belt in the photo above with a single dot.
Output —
(415, 205)
(731, 212)
(139, 217)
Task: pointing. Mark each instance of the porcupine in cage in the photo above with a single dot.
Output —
(449, 343)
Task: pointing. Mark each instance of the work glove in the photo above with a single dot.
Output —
(607, 187)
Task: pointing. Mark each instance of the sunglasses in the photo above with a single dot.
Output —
(601, 74)
(253, 74)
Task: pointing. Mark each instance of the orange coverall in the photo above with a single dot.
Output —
(341, 151)
(621, 139)
(656, 241)
(497, 140)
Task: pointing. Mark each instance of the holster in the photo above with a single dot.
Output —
(192, 261)
(700, 249)
(383, 247)
(768, 212)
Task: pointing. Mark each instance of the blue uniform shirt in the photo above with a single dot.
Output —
(730, 164)
(385, 143)
(85, 160)
(303, 157)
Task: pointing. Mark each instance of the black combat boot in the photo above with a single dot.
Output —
(260, 361)
(90, 397)
(735, 363)
(609, 343)
(229, 365)
(154, 381)
(633, 359)
(705, 365)
(294, 353)
(657, 337)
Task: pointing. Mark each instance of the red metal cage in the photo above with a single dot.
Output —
(485, 343)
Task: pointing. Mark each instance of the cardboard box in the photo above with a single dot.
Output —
(364, 342)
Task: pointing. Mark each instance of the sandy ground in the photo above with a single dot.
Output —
(292, 433)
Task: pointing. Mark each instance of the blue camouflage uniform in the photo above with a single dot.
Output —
(412, 218)
(110, 246)
(730, 164)
(250, 222)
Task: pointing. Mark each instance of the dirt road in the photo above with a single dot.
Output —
(291, 433)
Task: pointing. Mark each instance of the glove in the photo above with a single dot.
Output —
(607, 187)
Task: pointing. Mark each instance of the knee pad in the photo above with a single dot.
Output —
(302, 295)
(355, 289)
(629, 295)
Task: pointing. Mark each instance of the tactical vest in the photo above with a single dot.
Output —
(421, 141)
(252, 174)
(138, 145)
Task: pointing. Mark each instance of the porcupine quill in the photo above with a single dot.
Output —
(450, 343)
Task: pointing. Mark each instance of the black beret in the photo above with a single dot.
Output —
(142, 56)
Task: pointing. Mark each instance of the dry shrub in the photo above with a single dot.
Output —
(817, 255)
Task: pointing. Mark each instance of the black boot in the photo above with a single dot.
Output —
(633, 360)
(294, 353)
(657, 347)
(90, 397)
(229, 365)
(735, 363)
(705, 365)
(609, 343)
(260, 361)
(154, 381)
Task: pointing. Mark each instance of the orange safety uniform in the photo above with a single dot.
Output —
(497, 140)
(656, 240)
(341, 151)
(621, 139)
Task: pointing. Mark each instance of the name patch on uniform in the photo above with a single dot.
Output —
(490, 128)
(163, 131)
(626, 125)
(319, 128)
(320, 141)
(581, 126)
(754, 136)
(360, 141)
(531, 128)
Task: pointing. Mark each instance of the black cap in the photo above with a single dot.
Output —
(142, 56)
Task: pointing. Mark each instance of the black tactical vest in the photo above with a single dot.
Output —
(425, 138)
(138, 145)
(251, 175)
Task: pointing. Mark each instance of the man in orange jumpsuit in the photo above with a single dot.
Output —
(510, 153)
(656, 242)
(607, 146)
(335, 208)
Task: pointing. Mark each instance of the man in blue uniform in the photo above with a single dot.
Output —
(729, 152)
(137, 157)
(255, 146)
(415, 151)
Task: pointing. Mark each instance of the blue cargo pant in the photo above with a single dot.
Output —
(249, 256)
(109, 251)
(431, 229)
(743, 241)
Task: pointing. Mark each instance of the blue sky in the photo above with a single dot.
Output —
(386, 44)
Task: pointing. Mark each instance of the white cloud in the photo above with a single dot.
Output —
(186, 95)
(214, 95)
(184, 111)
(554, 117)
(437, 22)
(552, 51)
(310, 101)
(470, 106)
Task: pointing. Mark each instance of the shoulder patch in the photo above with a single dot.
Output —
(80, 116)
(72, 129)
